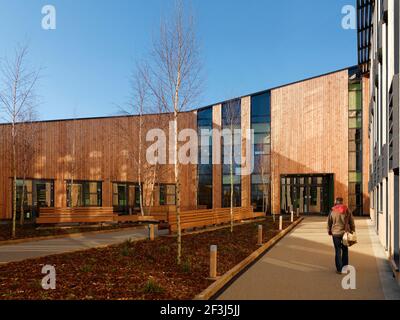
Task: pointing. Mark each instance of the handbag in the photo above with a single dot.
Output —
(349, 238)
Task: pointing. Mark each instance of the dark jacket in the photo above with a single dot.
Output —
(337, 221)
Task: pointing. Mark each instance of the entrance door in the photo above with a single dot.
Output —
(312, 194)
(305, 190)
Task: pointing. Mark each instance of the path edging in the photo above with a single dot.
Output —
(214, 288)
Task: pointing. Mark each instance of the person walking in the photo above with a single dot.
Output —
(340, 221)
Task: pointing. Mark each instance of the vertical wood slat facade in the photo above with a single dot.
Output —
(101, 155)
(309, 131)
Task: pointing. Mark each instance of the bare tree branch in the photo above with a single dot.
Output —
(17, 103)
(174, 79)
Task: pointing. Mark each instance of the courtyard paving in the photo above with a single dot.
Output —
(301, 267)
(41, 248)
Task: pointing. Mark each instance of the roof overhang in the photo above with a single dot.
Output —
(365, 10)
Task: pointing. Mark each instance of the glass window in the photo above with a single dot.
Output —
(261, 179)
(263, 127)
(231, 119)
(226, 196)
(231, 114)
(355, 123)
(84, 194)
(167, 194)
(260, 194)
(355, 147)
(36, 193)
(262, 138)
(262, 164)
(261, 107)
(125, 197)
(227, 179)
(205, 170)
(261, 124)
(260, 149)
(355, 177)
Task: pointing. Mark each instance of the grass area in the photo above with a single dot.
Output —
(135, 270)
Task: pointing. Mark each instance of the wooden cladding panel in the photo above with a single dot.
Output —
(102, 148)
(310, 131)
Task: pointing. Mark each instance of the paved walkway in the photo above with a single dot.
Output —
(41, 248)
(301, 267)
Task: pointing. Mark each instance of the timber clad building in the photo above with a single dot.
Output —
(336, 135)
(307, 150)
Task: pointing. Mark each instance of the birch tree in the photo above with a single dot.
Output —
(73, 159)
(149, 116)
(26, 147)
(17, 97)
(175, 82)
(232, 122)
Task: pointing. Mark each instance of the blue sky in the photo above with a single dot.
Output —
(247, 46)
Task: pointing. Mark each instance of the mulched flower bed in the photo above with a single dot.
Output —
(135, 270)
(31, 231)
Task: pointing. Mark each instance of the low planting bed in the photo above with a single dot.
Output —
(136, 270)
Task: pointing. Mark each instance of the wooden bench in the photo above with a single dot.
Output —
(75, 215)
(139, 218)
(160, 213)
(204, 218)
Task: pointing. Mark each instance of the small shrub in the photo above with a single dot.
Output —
(125, 251)
(187, 266)
(149, 257)
(86, 268)
(128, 242)
(152, 287)
(164, 249)
(126, 248)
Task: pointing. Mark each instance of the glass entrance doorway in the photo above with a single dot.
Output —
(313, 194)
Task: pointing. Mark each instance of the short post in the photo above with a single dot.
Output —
(292, 217)
(298, 212)
(280, 223)
(213, 262)
(260, 235)
(152, 232)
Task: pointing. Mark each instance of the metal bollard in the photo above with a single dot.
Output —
(280, 223)
(292, 217)
(213, 262)
(298, 212)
